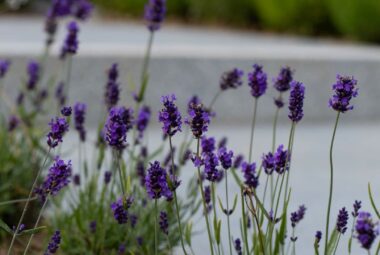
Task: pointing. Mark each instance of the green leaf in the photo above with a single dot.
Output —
(372, 201)
(143, 87)
(235, 203)
(332, 242)
(5, 227)
(236, 177)
(221, 205)
(217, 234)
(262, 208)
(188, 232)
(32, 231)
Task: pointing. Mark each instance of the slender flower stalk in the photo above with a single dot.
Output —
(155, 228)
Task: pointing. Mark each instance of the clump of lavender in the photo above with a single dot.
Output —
(4, 66)
(345, 89)
(170, 116)
(231, 79)
(70, 45)
(297, 216)
(33, 71)
(66, 111)
(112, 89)
(237, 245)
(366, 230)
(297, 95)
(58, 127)
(156, 183)
(249, 172)
(57, 178)
(54, 243)
(341, 222)
(13, 123)
(207, 192)
(357, 205)
(120, 209)
(283, 80)
(225, 157)
(164, 224)
(143, 120)
(107, 177)
(199, 120)
(118, 123)
(257, 81)
(79, 118)
(155, 11)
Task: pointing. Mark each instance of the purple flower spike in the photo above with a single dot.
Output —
(207, 144)
(33, 70)
(282, 82)
(54, 243)
(238, 160)
(318, 237)
(282, 160)
(341, 222)
(164, 224)
(231, 79)
(237, 245)
(198, 121)
(249, 172)
(207, 193)
(297, 95)
(225, 158)
(107, 177)
(211, 163)
(257, 80)
(79, 118)
(57, 178)
(70, 45)
(119, 122)
(58, 127)
(194, 100)
(170, 116)
(268, 163)
(357, 205)
(297, 216)
(155, 11)
(120, 209)
(366, 230)
(76, 179)
(112, 89)
(156, 183)
(13, 123)
(66, 111)
(83, 10)
(345, 89)
(4, 66)
(143, 120)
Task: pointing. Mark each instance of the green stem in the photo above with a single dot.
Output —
(117, 164)
(337, 243)
(27, 203)
(155, 227)
(290, 150)
(244, 221)
(228, 214)
(214, 209)
(252, 130)
(275, 129)
(68, 75)
(175, 198)
(144, 70)
(331, 182)
(204, 202)
(36, 225)
(21, 200)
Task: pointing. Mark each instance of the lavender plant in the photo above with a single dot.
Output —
(112, 204)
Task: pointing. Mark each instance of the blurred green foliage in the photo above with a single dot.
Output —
(356, 19)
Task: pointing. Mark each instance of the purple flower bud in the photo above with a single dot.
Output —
(278, 102)
(282, 82)
(211, 162)
(238, 160)
(207, 144)
(268, 163)
(155, 182)
(357, 205)
(297, 95)
(366, 230)
(119, 122)
(341, 222)
(83, 9)
(143, 120)
(140, 170)
(59, 94)
(297, 216)
(257, 80)
(249, 172)
(107, 177)
(281, 159)
(225, 158)
(54, 243)
(112, 89)
(79, 118)
(345, 89)
(4, 66)
(13, 123)
(134, 220)
(164, 224)
(76, 179)
(70, 45)
(120, 209)
(121, 249)
(207, 192)
(155, 11)
(66, 111)
(58, 127)
(237, 245)
(33, 70)
(231, 79)
(170, 116)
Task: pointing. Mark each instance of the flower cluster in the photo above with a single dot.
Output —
(119, 122)
(4, 66)
(237, 245)
(366, 230)
(210, 162)
(279, 161)
(249, 172)
(225, 158)
(57, 178)
(58, 127)
(341, 222)
(297, 216)
(282, 81)
(33, 71)
(199, 120)
(297, 95)
(66, 111)
(70, 45)
(156, 183)
(112, 90)
(257, 80)
(357, 205)
(79, 118)
(345, 89)
(107, 177)
(207, 144)
(164, 224)
(231, 79)
(120, 209)
(143, 120)
(13, 123)
(170, 116)
(54, 243)
(155, 12)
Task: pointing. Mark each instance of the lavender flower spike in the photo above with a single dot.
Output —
(257, 80)
(341, 222)
(112, 89)
(170, 116)
(357, 205)
(249, 171)
(155, 12)
(198, 121)
(225, 158)
(83, 9)
(70, 45)
(79, 118)
(33, 70)
(156, 183)
(297, 216)
(164, 224)
(120, 209)
(4, 66)
(54, 243)
(282, 82)
(345, 89)
(297, 95)
(118, 123)
(211, 163)
(237, 245)
(143, 120)
(366, 230)
(231, 79)
(282, 160)
(268, 163)
(58, 127)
